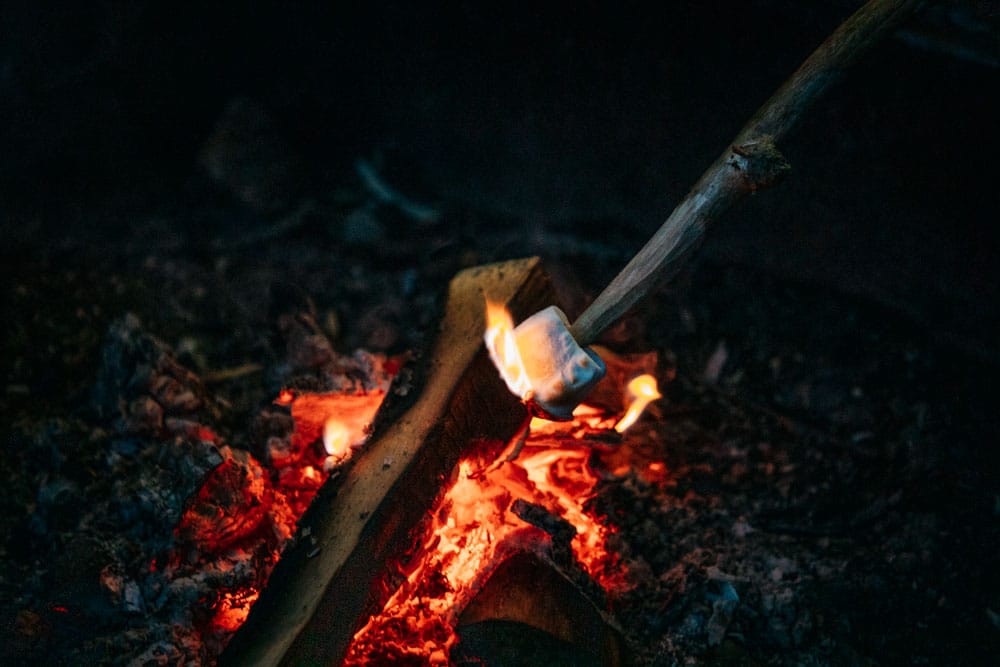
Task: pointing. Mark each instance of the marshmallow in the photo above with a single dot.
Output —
(561, 372)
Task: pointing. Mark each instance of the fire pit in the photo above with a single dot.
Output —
(438, 500)
(225, 284)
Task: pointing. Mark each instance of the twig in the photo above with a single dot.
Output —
(233, 373)
(385, 193)
(751, 162)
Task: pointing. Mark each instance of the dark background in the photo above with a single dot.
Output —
(558, 118)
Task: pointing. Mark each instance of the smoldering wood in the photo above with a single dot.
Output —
(333, 577)
(531, 590)
(750, 163)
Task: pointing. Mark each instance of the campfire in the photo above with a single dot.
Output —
(277, 394)
(504, 497)
(485, 517)
(444, 477)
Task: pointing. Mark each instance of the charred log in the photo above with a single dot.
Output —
(325, 585)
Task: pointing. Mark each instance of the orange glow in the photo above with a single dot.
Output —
(502, 346)
(336, 437)
(341, 420)
(278, 493)
(642, 391)
(586, 418)
(233, 608)
(474, 529)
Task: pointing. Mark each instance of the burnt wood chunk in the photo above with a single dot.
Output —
(358, 527)
(530, 590)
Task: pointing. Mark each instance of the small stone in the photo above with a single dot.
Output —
(246, 155)
(331, 324)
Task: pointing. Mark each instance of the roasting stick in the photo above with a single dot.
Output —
(553, 350)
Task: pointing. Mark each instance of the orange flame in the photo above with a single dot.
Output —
(643, 391)
(502, 346)
(342, 420)
(336, 437)
(474, 528)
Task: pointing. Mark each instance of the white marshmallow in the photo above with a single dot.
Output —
(560, 371)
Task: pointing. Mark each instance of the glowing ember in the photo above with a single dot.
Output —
(472, 532)
(502, 346)
(246, 509)
(336, 437)
(233, 608)
(642, 391)
(474, 529)
(285, 397)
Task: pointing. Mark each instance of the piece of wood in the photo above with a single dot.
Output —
(327, 584)
(529, 589)
(750, 163)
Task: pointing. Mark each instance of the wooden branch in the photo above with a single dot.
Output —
(750, 163)
(324, 587)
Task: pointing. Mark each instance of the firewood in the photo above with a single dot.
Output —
(533, 591)
(359, 527)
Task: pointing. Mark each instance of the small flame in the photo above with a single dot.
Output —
(336, 437)
(643, 391)
(342, 420)
(502, 346)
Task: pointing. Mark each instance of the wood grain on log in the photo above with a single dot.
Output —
(327, 584)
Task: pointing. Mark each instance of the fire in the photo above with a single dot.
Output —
(336, 437)
(233, 608)
(342, 420)
(642, 391)
(502, 346)
(476, 526)
(285, 397)
(247, 508)
(473, 530)
(480, 521)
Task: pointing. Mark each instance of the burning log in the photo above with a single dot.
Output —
(358, 525)
(531, 591)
